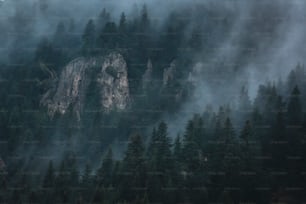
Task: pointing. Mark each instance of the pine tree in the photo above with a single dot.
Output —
(87, 183)
(225, 158)
(193, 161)
(133, 170)
(49, 177)
(74, 175)
(89, 38)
(122, 31)
(59, 38)
(245, 137)
(294, 136)
(199, 131)
(244, 100)
(87, 178)
(278, 143)
(164, 147)
(160, 148)
(160, 162)
(109, 37)
(295, 108)
(62, 182)
(103, 18)
(177, 151)
(105, 172)
(122, 24)
(229, 145)
(190, 149)
(153, 144)
(46, 53)
(144, 20)
(291, 80)
(246, 133)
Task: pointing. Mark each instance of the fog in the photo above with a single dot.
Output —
(277, 53)
(280, 44)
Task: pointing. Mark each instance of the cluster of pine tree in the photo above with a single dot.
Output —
(254, 154)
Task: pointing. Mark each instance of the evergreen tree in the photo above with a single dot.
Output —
(194, 167)
(86, 178)
(177, 151)
(122, 31)
(62, 182)
(49, 179)
(109, 37)
(133, 170)
(49, 184)
(122, 24)
(278, 143)
(296, 78)
(74, 175)
(105, 172)
(244, 100)
(190, 149)
(247, 149)
(177, 179)
(144, 20)
(103, 18)
(229, 144)
(89, 38)
(87, 184)
(295, 108)
(160, 162)
(163, 157)
(248, 164)
(294, 137)
(46, 54)
(246, 134)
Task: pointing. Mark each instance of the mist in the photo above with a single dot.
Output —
(235, 56)
(278, 49)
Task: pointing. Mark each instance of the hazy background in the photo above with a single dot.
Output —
(250, 55)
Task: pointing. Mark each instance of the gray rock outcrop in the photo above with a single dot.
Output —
(109, 73)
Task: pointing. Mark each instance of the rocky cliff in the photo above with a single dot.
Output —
(108, 73)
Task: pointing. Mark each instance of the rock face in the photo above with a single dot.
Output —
(113, 82)
(109, 73)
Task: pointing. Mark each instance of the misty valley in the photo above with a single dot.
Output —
(152, 101)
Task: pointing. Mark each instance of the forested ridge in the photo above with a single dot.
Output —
(262, 160)
(251, 149)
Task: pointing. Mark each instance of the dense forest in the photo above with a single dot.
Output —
(236, 149)
(262, 161)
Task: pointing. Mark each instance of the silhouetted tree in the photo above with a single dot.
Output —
(105, 172)
(49, 179)
(133, 170)
(294, 108)
(89, 38)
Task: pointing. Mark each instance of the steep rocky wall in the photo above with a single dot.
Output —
(110, 74)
